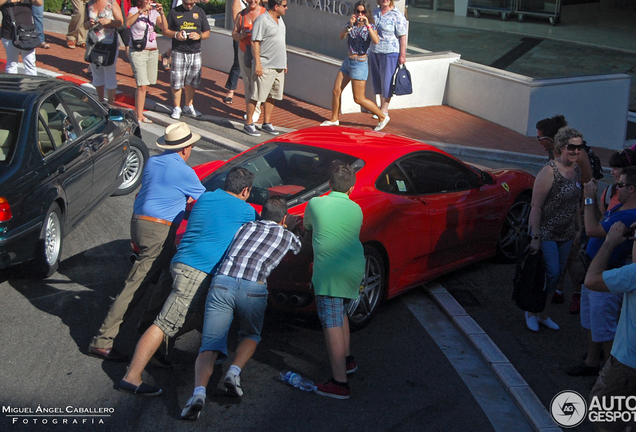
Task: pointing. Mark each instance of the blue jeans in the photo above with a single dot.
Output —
(556, 256)
(38, 19)
(228, 295)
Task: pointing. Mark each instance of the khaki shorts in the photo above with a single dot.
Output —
(270, 85)
(144, 65)
(616, 379)
(189, 290)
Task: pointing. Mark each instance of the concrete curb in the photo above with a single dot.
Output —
(517, 387)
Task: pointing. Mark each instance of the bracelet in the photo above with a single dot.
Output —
(536, 237)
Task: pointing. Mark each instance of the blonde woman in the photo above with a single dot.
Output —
(360, 32)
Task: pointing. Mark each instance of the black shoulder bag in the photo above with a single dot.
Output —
(25, 36)
(98, 53)
(140, 44)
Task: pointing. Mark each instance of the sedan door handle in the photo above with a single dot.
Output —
(61, 169)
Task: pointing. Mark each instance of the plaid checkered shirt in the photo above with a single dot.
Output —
(258, 247)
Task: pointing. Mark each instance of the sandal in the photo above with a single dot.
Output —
(228, 100)
(81, 45)
(70, 43)
(165, 61)
(44, 45)
(145, 120)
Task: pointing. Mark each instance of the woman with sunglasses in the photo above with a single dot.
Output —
(555, 216)
(619, 160)
(360, 32)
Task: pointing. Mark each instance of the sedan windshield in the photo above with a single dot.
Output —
(295, 172)
(9, 127)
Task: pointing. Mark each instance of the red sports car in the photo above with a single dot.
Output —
(426, 213)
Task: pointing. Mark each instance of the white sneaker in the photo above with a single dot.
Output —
(193, 408)
(330, 123)
(548, 323)
(176, 113)
(189, 110)
(532, 322)
(383, 123)
(233, 384)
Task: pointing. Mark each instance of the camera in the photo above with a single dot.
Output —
(359, 19)
(153, 5)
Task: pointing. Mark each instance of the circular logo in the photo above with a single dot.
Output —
(568, 409)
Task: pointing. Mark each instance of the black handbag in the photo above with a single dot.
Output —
(401, 84)
(25, 36)
(98, 53)
(529, 282)
(140, 44)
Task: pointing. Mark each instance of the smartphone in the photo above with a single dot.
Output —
(153, 5)
(629, 232)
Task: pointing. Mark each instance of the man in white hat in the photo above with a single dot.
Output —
(168, 183)
(212, 224)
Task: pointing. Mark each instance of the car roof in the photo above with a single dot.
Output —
(356, 142)
(16, 91)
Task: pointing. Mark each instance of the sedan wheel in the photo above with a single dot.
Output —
(515, 230)
(50, 246)
(362, 309)
(133, 167)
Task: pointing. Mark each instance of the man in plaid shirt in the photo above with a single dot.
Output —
(240, 286)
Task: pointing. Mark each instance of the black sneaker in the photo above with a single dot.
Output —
(250, 129)
(269, 128)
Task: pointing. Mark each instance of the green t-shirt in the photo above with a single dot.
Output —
(338, 254)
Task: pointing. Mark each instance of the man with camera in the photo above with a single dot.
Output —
(187, 26)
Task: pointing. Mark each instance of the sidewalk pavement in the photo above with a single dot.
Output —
(443, 125)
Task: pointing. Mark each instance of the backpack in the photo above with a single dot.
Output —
(529, 282)
(595, 162)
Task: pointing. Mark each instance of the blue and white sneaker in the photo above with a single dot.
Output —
(250, 129)
(191, 111)
(269, 128)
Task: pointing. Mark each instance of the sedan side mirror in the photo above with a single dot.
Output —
(115, 115)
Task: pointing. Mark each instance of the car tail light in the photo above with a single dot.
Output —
(5, 210)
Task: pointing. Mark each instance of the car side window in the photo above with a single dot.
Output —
(83, 109)
(55, 128)
(394, 181)
(432, 172)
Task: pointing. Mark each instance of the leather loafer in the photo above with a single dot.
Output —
(107, 354)
(548, 323)
(532, 323)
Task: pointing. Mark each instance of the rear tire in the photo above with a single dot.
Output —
(514, 232)
(49, 249)
(362, 309)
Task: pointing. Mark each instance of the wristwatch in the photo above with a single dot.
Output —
(536, 237)
(589, 201)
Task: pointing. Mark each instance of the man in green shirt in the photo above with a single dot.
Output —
(339, 263)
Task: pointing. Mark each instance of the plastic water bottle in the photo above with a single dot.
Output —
(295, 380)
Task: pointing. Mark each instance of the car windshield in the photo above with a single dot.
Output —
(9, 127)
(296, 172)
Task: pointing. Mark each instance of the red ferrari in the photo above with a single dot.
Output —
(426, 213)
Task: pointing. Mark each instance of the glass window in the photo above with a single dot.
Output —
(295, 172)
(84, 110)
(55, 128)
(428, 173)
(9, 127)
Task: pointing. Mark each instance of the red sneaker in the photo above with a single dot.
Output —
(557, 298)
(352, 366)
(333, 390)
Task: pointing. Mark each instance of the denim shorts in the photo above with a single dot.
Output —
(599, 313)
(226, 297)
(357, 70)
(331, 310)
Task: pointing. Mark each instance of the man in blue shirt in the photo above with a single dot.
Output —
(168, 183)
(618, 377)
(214, 220)
(600, 310)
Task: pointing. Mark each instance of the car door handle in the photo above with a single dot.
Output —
(61, 169)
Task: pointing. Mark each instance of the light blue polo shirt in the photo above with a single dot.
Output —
(166, 184)
(623, 280)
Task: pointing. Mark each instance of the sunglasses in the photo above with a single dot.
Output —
(574, 147)
(542, 138)
(283, 5)
(358, 11)
(621, 185)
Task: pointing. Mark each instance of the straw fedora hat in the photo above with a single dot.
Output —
(177, 136)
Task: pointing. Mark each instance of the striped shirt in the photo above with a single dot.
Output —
(258, 247)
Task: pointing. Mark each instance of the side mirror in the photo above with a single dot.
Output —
(486, 178)
(115, 115)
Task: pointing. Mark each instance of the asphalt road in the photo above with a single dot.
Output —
(411, 377)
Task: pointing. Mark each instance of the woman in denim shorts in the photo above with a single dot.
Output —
(360, 32)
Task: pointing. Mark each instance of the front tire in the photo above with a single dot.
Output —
(49, 250)
(361, 310)
(133, 167)
(515, 230)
